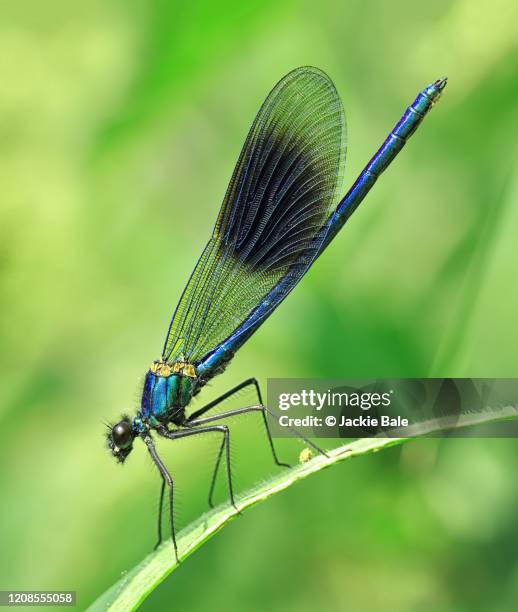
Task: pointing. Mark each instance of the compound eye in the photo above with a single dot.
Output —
(122, 434)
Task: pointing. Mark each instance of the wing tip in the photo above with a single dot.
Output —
(305, 69)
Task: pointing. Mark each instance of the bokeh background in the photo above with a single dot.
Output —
(120, 123)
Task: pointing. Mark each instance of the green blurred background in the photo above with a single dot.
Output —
(120, 123)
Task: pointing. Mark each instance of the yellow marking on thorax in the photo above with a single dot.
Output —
(162, 368)
(187, 369)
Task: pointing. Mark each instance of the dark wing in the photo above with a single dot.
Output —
(271, 222)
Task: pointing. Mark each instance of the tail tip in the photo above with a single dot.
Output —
(441, 83)
(435, 90)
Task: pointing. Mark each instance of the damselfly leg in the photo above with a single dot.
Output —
(166, 480)
(195, 425)
(160, 506)
(194, 421)
(193, 418)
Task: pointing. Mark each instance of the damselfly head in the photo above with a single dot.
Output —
(120, 439)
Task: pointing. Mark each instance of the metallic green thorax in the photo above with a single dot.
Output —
(167, 391)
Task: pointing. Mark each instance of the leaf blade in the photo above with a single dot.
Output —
(131, 590)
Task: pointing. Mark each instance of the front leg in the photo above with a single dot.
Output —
(160, 508)
(167, 481)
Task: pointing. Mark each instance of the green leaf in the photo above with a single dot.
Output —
(131, 590)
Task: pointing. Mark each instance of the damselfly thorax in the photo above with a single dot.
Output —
(168, 389)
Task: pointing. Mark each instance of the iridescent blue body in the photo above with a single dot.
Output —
(393, 144)
(165, 397)
(277, 217)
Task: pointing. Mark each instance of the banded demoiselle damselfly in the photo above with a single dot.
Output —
(276, 218)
